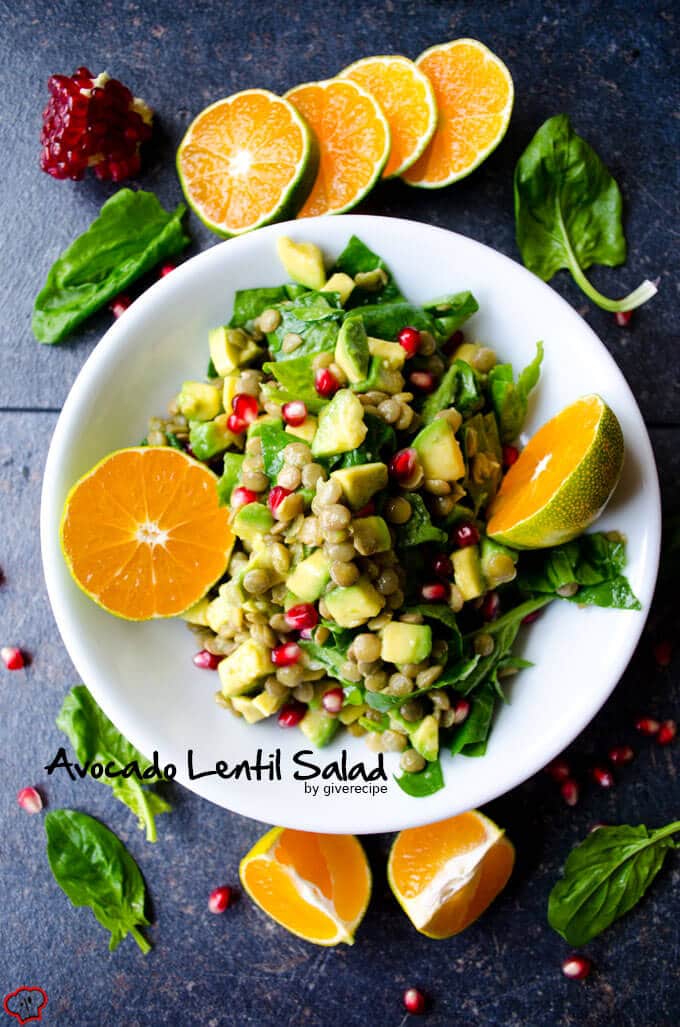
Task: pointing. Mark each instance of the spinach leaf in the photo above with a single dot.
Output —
(332, 657)
(425, 782)
(470, 738)
(439, 612)
(95, 739)
(357, 258)
(315, 317)
(568, 211)
(131, 235)
(451, 312)
(230, 476)
(458, 388)
(379, 444)
(385, 320)
(94, 869)
(595, 562)
(249, 303)
(484, 467)
(509, 400)
(458, 669)
(419, 527)
(296, 378)
(274, 441)
(605, 876)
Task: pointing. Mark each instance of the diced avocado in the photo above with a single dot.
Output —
(261, 559)
(223, 611)
(230, 348)
(350, 714)
(371, 535)
(438, 451)
(229, 390)
(230, 476)
(340, 283)
(247, 708)
(197, 614)
(208, 438)
(199, 401)
(341, 425)
(252, 521)
(467, 572)
(349, 607)
(390, 353)
(305, 431)
(303, 261)
(360, 483)
(242, 669)
(498, 562)
(425, 738)
(405, 643)
(351, 349)
(268, 704)
(310, 577)
(319, 727)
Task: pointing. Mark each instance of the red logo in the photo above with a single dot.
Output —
(26, 1004)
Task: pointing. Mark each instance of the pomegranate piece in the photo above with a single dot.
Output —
(205, 660)
(603, 777)
(166, 269)
(559, 770)
(455, 340)
(236, 424)
(442, 566)
(667, 732)
(620, 755)
(245, 407)
(510, 455)
(424, 381)
(276, 497)
(29, 799)
(294, 413)
(286, 655)
(409, 339)
(623, 317)
(570, 791)
(366, 511)
(119, 305)
(241, 496)
(291, 714)
(403, 464)
(461, 711)
(531, 617)
(325, 383)
(435, 592)
(647, 726)
(576, 967)
(12, 657)
(466, 535)
(219, 899)
(414, 1001)
(491, 606)
(302, 617)
(92, 121)
(333, 700)
(663, 653)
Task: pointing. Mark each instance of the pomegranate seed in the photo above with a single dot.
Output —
(577, 968)
(435, 592)
(333, 700)
(325, 382)
(291, 714)
(531, 617)
(403, 464)
(241, 496)
(569, 791)
(510, 455)
(647, 726)
(29, 800)
(119, 305)
(623, 317)
(409, 338)
(559, 770)
(206, 661)
(294, 413)
(166, 269)
(424, 381)
(245, 407)
(285, 655)
(414, 1001)
(491, 606)
(366, 511)
(276, 497)
(603, 777)
(442, 566)
(219, 899)
(456, 340)
(466, 535)
(663, 652)
(620, 755)
(12, 657)
(667, 732)
(460, 711)
(235, 424)
(302, 617)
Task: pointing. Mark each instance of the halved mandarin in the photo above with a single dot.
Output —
(143, 533)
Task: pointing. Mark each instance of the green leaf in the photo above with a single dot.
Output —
(451, 312)
(230, 477)
(419, 527)
(331, 656)
(96, 740)
(131, 235)
(357, 258)
(94, 869)
(379, 445)
(470, 737)
(385, 320)
(315, 317)
(458, 388)
(605, 876)
(484, 469)
(274, 441)
(510, 400)
(425, 782)
(595, 562)
(296, 378)
(568, 211)
(249, 303)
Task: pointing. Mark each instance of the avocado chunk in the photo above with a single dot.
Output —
(498, 563)
(305, 431)
(390, 353)
(267, 704)
(241, 670)
(341, 426)
(229, 390)
(351, 349)
(467, 572)
(340, 283)
(405, 643)
(230, 476)
(247, 708)
(425, 738)
(197, 614)
(310, 577)
(360, 483)
(230, 348)
(199, 401)
(223, 610)
(208, 438)
(439, 452)
(371, 535)
(349, 607)
(319, 727)
(349, 714)
(303, 261)
(252, 522)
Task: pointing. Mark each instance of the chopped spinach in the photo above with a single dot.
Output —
(419, 527)
(510, 399)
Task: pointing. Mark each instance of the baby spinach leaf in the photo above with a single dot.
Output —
(470, 737)
(379, 444)
(249, 303)
(94, 869)
(296, 378)
(419, 527)
(131, 235)
(437, 611)
(424, 782)
(595, 562)
(605, 876)
(568, 211)
(357, 258)
(332, 656)
(459, 388)
(230, 476)
(96, 740)
(274, 440)
(450, 312)
(509, 399)
(484, 467)
(385, 320)
(315, 317)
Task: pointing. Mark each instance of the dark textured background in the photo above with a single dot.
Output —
(611, 67)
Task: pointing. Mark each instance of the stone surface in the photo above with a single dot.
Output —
(613, 76)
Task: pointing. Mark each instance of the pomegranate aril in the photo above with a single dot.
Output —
(409, 339)
(333, 700)
(577, 968)
(442, 566)
(205, 660)
(302, 617)
(325, 383)
(623, 317)
(531, 617)
(30, 800)
(236, 424)
(12, 657)
(294, 413)
(461, 711)
(276, 497)
(414, 1001)
(286, 655)
(620, 755)
(603, 777)
(559, 770)
(245, 407)
(667, 732)
(663, 653)
(466, 535)
(241, 496)
(424, 381)
(510, 455)
(219, 899)
(403, 464)
(166, 269)
(491, 606)
(366, 511)
(570, 791)
(291, 714)
(455, 340)
(435, 592)
(119, 305)
(647, 726)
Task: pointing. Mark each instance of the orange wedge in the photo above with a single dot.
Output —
(474, 94)
(354, 143)
(245, 161)
(315, 885)
(445, 875)
(143, 534)
(407, 100)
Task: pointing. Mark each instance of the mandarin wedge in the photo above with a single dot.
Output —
(444, 875)
(143, 533)
(317, 886)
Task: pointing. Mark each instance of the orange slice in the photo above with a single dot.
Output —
(474, 94)
(246, 161)
(406, 99)
(563, 479)
(354, 143)
(315, 885)
(143, 534)
(445, 875)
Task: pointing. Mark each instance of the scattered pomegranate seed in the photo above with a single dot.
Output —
(442, 566)
(276, 497)
(206, 661)
(241, 496)
(236, 424)
(29, 799)
(166, 269)
(291, 714)
(333, 700)
(325, 382)
(667, 732)
(245, 407)
(456, 340)
(620, 755)
(409, 338)
(569, 791)
(12, 657)
(603, 777)
(424, 381)
(647, 726)
(403, 464)
(623, 317)
(510, 455)
(460, 711)
(219, 899)
(285, 655)
(577, 968)
(302, 616)
(366, 511)
(119, 305)
(435, 592)
(491, 606)
(663, 653)
(531, 617)
(466, 535)
(294, 413)
(414, 1001)
(559, 770)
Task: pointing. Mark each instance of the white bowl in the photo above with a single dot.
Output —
(142, 674)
